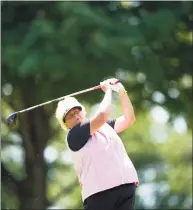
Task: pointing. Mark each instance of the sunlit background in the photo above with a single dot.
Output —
(51, 49)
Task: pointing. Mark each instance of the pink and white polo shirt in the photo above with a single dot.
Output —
(102, 163)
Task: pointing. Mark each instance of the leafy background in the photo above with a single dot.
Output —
(51, 49)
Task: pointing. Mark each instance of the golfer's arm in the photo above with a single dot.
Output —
(128, 116)
(102, 114)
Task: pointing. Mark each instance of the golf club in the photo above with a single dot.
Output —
(11, 119)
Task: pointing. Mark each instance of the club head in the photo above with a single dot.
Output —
(11, 120)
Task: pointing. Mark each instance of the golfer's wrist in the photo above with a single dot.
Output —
(108, 95)
(108, 91)
(122, 92)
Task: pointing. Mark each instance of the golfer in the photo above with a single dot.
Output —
(105, 172)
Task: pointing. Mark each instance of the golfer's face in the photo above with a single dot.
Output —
(74, 117)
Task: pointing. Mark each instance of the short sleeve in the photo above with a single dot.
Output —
(111, 122)
(78, 136)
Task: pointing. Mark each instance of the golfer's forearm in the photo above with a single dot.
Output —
(102, 115)
(127, 107)
(106, 103)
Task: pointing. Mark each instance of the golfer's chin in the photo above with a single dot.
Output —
(78, 121)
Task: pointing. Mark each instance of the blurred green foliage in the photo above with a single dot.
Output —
(50, 49)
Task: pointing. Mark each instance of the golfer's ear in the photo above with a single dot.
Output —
(97, 121)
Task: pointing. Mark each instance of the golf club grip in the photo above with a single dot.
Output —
(98, 86)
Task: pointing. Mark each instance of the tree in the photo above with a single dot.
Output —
(48, 49)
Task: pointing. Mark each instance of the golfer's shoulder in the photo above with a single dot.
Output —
(78, 136)
(80, 128)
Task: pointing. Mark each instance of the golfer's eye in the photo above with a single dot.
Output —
(70, 116)
(75, 113)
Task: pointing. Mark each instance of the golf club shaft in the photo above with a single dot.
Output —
(58, 99)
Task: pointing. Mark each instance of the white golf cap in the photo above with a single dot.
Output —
(65, 106)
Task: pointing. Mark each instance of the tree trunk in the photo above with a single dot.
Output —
(34, 129)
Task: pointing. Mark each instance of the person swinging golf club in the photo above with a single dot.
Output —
(106, 174)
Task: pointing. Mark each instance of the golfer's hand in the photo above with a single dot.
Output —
(119, 88)
(105, 85)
